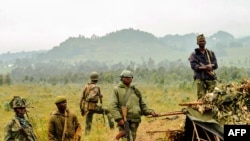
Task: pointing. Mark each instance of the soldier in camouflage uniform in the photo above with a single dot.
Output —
(126, 95)
(89, 102)
(203, 62)
(57, 131)
(19, 128)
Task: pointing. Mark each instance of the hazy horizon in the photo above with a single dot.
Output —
(40, 25)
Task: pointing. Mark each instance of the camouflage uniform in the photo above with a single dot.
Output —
(205, 81)
(56, 125)
(19, 128)
(88, 103)
(136, 107)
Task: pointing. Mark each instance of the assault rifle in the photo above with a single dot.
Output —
(78, 134)
(211, 72)
(190, 103)
(167, 131)
(103, 113)
(22, 131)
(126, 131)
(168, 114)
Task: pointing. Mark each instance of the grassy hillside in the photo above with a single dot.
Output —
(42, 97)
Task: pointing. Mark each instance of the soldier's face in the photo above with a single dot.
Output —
(20, 111)
(201, 43)
(62, 105)
(127, 80)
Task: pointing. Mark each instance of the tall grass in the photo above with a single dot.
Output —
(160, 98)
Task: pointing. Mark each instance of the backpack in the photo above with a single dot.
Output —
(92, 93)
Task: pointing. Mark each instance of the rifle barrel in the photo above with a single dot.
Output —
(168, 114)
(190, 103)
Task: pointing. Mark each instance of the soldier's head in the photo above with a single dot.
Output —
(19, 105)
(94, 77)
(126, 77)
(61, 103)
(201, 41)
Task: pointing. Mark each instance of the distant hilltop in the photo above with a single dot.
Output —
(131, 44)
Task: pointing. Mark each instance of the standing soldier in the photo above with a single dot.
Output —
(127, 106)
(19, 128)
(88, 104)
(203, 62)
(63, 124)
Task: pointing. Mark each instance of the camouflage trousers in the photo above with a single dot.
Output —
(133, 129)
(97, 110)
(204, 87)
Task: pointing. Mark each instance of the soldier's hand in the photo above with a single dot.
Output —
(120, 122)
(100, 95)
(154, 114)
(83, 112)
(209, 67)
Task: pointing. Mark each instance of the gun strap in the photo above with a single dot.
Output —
(65, 125)
(124, 102)
(208, 57)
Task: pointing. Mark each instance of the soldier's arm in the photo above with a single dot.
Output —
(51, 129)
(114, 106)
(144, 108)
(83, 97)
(7, 132)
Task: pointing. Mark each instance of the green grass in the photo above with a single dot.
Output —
(159, 98)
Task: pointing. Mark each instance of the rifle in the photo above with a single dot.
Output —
(190, 103)
(167, 131)
(22, 131)
(103, 113)
(78, 134)
(211, 73)
(125, 133)
(168, 114)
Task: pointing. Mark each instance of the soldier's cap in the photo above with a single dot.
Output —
(60, 99)
(200, 37)
(126, 73)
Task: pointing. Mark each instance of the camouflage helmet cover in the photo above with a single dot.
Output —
(126, 73)
(94, 76)
(18, 102)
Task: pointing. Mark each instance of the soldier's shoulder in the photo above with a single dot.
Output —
(10, 123)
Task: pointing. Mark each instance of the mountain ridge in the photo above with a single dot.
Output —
(131, 44)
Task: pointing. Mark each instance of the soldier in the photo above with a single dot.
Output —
(19, 128)
(89, 102)
(126, 96)
(203, 62)
(63, 124)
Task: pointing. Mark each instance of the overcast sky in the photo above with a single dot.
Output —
(27, 25)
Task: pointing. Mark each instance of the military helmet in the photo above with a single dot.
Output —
(18, 102)
(126, 73)
(94, 76)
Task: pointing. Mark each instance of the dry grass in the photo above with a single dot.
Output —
(42, 99)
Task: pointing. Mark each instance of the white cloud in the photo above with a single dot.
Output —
(33, 25)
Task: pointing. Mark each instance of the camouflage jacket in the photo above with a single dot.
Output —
(196, 60)
(56, 126)
(12, 130)
(91, 93)
(135, 105)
